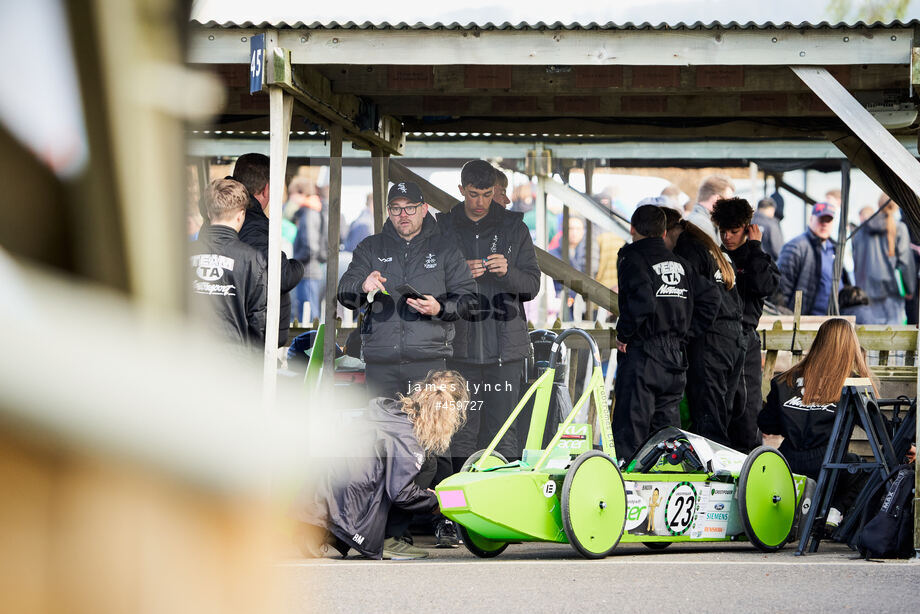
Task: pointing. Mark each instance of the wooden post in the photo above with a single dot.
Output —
(797, 314)
(834, 305)
(332, 262)
(564, 251)
(379, 174)
(280, 104)
(540, 206)
(589, 235)
(204, 178)
(769, 363)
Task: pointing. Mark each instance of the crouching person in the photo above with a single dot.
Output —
(349, 506)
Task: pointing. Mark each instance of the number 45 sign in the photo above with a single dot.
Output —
(256, 62)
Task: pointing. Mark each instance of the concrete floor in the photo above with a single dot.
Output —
(729, 577)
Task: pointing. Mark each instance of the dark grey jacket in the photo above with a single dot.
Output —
(352, 499)
(800, 269)
(498, 330)
(391, 330)
(255, 233)
(772, 241)
(311, 245)
(873, 269)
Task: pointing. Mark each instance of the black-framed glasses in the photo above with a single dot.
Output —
(408, 210)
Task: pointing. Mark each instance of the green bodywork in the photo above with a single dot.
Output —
(514, 502)
(498, 503)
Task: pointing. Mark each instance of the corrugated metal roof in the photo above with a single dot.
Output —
(558, 25)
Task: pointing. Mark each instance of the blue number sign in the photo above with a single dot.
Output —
(256, 62)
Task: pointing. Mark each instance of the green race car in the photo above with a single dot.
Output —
(678, 486)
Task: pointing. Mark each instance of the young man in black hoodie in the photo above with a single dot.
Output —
(492, 342)
(757, 279)
(656, 302)
(230, 276)
(252, 171)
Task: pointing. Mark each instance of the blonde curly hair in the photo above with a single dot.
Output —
(436, 408)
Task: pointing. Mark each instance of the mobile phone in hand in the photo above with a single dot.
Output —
(408, 291)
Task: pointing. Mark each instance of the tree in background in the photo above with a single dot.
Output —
(867, 10)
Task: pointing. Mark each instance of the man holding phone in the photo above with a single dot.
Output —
(757, 278)
(412, 286)
(493, 341)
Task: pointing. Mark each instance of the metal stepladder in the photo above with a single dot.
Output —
(857, 406)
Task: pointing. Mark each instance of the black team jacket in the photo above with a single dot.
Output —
(656, 298)
(497, 331)
(391, 330)
(728, 302)
(255, 233)
(229, 284)
(804, 427)
(757, 279)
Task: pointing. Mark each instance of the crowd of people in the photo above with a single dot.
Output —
(442, 305)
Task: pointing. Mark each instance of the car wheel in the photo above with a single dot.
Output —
(766, 498)
(480, 546)
(593, 505)
(495, 460)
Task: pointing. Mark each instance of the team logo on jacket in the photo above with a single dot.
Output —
(671, 273)
(431, 261)
(718, 277)
(387, 259)
(798, 403)
(210, 267)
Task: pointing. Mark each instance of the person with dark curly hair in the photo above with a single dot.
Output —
(757, 278)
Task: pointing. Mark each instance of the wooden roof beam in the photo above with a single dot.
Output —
(316, 100)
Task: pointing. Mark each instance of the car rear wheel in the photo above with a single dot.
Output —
(766, 498)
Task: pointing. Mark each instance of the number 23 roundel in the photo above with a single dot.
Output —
(680, 509)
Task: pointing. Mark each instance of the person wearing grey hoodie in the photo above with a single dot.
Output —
(884, 267)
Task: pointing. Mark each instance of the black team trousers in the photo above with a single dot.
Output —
(649, 385)
(712, 378)
(495, 390)
(748, 400)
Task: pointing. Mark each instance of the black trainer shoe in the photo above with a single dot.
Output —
(445, 534)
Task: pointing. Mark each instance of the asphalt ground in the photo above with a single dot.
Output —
(711, 577)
